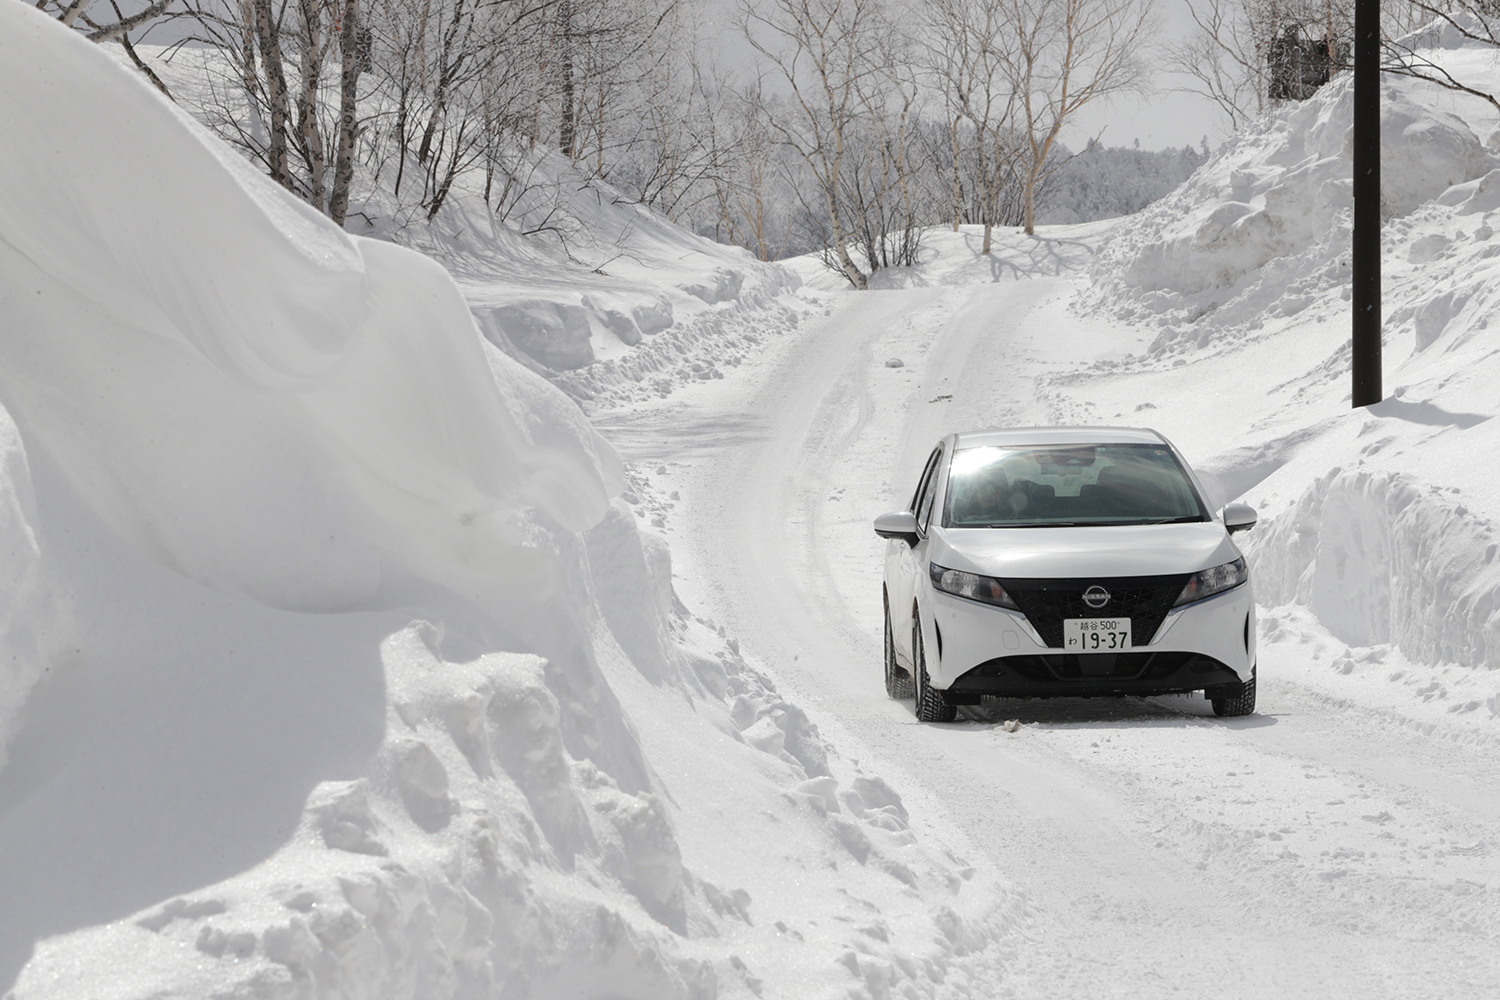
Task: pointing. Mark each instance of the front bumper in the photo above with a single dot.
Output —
(976, 649)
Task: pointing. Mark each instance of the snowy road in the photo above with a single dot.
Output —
(1315, 849)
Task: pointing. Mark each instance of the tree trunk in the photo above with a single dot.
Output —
(958, 198)
(841, 243)
(343, 168)
(249, 77)
(308, 132)
(270, 58)
(568, 129)
(448, 64)
(987, 182)
(1029, 202)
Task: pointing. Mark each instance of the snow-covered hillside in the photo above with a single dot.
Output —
(328, 664)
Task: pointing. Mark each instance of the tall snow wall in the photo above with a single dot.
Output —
(236, 448)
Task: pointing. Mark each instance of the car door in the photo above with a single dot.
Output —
(910, 560)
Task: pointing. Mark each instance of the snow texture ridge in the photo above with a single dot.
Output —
(21, 587)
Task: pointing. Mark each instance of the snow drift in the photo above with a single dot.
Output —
(1261, 230)
(146, 311)
(576, 281)
(328, 666)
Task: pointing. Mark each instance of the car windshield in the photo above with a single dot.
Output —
(1064, 485)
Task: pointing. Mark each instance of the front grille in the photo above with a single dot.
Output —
(1143, 671)
(1145, 600)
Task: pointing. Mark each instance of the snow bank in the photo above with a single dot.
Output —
(626, 307)
(1261, 231)
(327, 666)
(396, 443)
(575, 281)
(1382, 561)
(590, 296)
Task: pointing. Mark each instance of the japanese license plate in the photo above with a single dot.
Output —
(1096, 635)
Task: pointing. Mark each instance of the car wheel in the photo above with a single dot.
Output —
(930, 704)
(897, 679)
(1239, 701)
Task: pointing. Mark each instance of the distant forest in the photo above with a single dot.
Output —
(1103, 182)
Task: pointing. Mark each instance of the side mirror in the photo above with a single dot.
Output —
(1239, 517)
(901, 524)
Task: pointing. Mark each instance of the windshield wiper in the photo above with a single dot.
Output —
(1138, 522)
(1032, 524)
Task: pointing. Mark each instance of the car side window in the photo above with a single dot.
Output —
(920, 495)
(929, 490)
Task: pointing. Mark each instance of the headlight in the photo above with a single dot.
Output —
(1213, 581)
(970, 585)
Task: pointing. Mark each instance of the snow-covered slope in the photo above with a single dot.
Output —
(328, 664)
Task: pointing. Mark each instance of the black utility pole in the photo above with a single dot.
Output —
(1366, 257)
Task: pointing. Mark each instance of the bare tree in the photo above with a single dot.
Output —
(1225, 61)
(971, 44)
(608, 52)
(849, 114)
(1476, 20)
(657, 121)
(292, 125)
(747, 183)
(76, 14)
(1067, 55)
(826, 53)
(1230, 53)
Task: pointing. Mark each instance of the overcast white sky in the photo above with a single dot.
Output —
(1162, 120)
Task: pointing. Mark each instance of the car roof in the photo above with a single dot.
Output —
(1058, 435)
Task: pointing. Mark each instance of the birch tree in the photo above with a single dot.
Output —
(826, 54)
(971, 45)
(1068, 54)
(1225, 61)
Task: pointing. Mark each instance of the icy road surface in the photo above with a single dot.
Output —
(1319, 848)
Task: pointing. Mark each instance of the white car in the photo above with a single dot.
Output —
(1056, 561)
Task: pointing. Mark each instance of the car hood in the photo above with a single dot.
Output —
(1124, 550)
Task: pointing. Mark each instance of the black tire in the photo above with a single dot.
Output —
(930, 704)
(897, 679)
(1240, 701)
